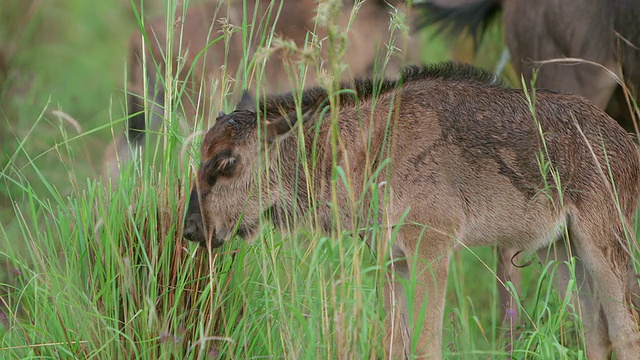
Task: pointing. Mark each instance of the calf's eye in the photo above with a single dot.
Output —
(223, 164)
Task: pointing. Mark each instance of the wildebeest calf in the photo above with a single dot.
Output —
(464, 157)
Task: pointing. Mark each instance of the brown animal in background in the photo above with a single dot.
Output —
(203, 24)
(606, 32)
(464, 159)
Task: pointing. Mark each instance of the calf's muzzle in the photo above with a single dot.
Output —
(193, 228)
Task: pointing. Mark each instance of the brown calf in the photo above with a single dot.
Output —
(197, 46)
(465, 161)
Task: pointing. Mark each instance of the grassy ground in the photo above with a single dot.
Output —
(95, 272)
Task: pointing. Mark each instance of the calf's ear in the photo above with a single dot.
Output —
(281, 126)
(247, 102)
(223, 164)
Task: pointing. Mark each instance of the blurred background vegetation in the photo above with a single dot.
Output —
(66, 56)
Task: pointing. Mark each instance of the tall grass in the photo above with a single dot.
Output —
(100, 269)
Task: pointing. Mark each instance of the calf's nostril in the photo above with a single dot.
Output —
(193, 228)
(190, 230)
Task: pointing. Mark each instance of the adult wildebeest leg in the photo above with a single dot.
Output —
(595, 330)
(417, 283)
(508, 273)
(598, 239)
(586, 304)
(121, 150)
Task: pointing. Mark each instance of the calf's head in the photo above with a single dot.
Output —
(225, 200)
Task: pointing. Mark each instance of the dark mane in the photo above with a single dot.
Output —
(452, 71)
(276, 105)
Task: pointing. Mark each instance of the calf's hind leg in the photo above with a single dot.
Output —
(598, 241)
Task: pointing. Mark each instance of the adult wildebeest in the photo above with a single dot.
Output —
(463, 155)
(606, 32)
(198, 59)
